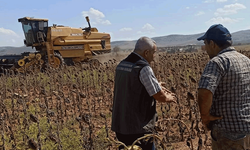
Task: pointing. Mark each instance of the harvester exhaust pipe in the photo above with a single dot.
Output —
(87, 19)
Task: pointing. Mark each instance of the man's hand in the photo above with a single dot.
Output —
(205, 98)
(206, 119)
(165, 95)
(171, 97)
(162, 84)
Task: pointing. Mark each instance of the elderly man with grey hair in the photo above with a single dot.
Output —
(135, 93)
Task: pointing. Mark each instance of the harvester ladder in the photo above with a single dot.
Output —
(50, 52)
(40, 37)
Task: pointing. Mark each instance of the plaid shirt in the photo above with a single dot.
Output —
(149, 80)
(227, 76)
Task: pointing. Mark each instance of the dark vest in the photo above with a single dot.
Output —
(134, 111)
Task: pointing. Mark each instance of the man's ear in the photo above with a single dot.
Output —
(213, 43)
(146, 53)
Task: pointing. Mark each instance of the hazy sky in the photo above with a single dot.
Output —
(125, 20)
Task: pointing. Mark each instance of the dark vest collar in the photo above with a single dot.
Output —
(134, 57)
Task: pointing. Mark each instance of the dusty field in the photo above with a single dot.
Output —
(71, 108)
(111, 56)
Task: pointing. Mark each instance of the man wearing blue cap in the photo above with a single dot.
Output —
(224, 91)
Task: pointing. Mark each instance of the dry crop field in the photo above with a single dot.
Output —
(70, 108)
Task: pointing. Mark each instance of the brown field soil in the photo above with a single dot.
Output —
(71, 108)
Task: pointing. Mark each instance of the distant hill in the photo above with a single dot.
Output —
(15, 50)
(240, 37)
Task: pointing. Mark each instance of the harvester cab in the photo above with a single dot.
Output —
(35, 30)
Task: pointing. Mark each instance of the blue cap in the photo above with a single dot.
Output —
(216, 32)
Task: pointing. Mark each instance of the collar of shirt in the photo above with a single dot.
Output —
(140, 57)
(226, 50)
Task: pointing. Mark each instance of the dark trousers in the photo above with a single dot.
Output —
(130, 138)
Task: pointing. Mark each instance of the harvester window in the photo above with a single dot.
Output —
(41, 25)
(35, 26)
(28, 33)
(26, 27)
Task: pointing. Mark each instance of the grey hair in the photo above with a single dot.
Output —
(144, 43)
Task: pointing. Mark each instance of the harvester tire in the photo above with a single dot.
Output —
(59, 61)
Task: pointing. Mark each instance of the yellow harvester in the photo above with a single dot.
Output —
(56, 45)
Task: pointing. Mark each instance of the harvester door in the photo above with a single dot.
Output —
(28, 34)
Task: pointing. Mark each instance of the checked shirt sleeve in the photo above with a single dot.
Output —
(211, 76)
(149, 80)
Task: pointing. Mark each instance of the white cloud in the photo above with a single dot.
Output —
(229, 9)
(106, 22)
(8, 32)
(220, 1)
(187, 7)
(97, 16)
(10, 38)
(200, 13)
(211, 1)
(235, 6)
(222, 20)
(148, 27)
(126, 29)
(208, 1)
